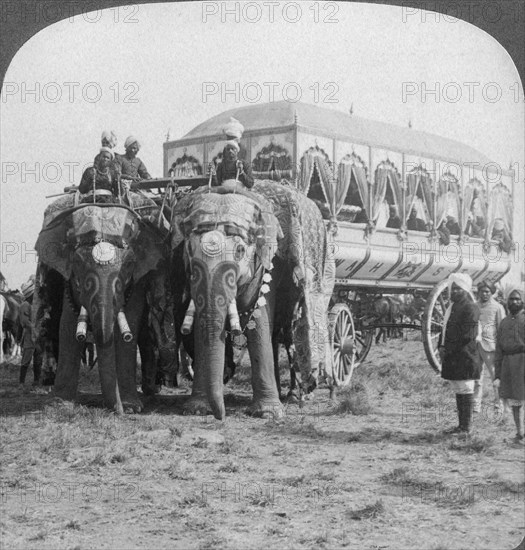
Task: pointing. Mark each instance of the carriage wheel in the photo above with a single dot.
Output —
(363, 341)
(432, 324)
(343, 342)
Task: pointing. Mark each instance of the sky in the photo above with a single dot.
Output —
(141, 70)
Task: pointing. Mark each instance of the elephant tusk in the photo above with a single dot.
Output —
(233, 314)
(124, 327)
(82, 325)
(188, 319)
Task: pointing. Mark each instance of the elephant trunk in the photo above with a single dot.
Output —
(213, 290)
(209, 352)
(104, 308)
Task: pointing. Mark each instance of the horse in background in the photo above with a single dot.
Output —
(11, 333)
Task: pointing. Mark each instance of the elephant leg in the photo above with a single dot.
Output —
(66, 380)
(229, 362)
(275, 349)
(265, 396)
(148, 360)
(126, 353)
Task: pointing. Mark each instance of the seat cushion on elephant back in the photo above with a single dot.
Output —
(95, 223)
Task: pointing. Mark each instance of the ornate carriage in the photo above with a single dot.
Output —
(409, 208)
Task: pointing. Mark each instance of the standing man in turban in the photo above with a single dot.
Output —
(491, 315)
(130, 165)
(510, 359)
(460, 361)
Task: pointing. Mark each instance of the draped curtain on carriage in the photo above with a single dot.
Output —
(385, 175)
(500, 207)
(419, 183)
(347, 168)
(316, 159)
(472, 204)
(448, 203)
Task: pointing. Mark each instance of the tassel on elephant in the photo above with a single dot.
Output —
(100, 257)
(238, 264)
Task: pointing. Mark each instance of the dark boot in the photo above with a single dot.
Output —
(23, 373)
(518, 420)
(459, 401)
(465, 412)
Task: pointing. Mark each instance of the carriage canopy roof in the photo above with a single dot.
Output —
(338, 124)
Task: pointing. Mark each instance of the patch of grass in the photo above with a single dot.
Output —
(230, 467)
(175, 431)
(372, 511)
(475, 444)
(353, 400)
(413, 483)
(73, 524)
(181, 469)
(230, 445)
(309, 429)
(294, 481)
(41, 535)
(194, 500)
(263, 499)
(201, 443)
(118, 458)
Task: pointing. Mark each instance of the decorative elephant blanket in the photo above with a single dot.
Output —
(307, 247)
(303, 244)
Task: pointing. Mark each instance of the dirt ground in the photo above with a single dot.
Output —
(372, 470)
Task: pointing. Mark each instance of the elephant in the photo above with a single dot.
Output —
(101, 260)
(245, 259)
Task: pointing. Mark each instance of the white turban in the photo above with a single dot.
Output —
(109, 137)
(233, 128)
(463, 280)
(513, 289)
(107, 150)
(234, 144)
(130, 140)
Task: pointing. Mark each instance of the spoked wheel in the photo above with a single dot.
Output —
(432, 325)
(363, 343)
(343, 342)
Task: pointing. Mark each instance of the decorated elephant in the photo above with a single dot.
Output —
(246, 256)
(100, 259)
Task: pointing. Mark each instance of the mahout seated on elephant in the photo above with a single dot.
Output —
(104, 260)
(242, 252)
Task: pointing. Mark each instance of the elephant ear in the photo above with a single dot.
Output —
(179, 211)
(268, 234)
(148, 246)
(53, 248)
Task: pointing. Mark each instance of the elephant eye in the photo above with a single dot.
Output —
(240, 251)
